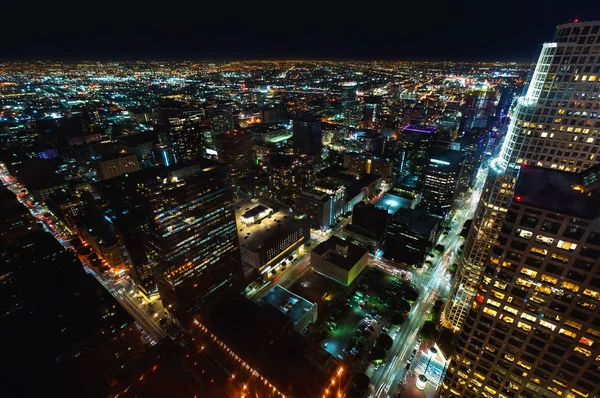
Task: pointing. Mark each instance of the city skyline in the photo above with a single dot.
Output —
(302, 229)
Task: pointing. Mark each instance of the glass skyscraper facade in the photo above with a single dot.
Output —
(525, 293)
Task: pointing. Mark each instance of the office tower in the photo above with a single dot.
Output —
(478, 108)
(358, 163)
(534, 327)
(186, 136)
(442, 176)
(288, 175)
(113, 159)
(234, 148)
(416, 141)
(307, 132)
(189, 232)
(553, 125)
(164, 155)
(221, 122)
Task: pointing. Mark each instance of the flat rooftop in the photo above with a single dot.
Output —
(292, 305)
(270, 229)
(418, 221)
(392, 203)
(419, 129)
(552, 190)
(327, 251)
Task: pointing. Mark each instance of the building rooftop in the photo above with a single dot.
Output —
(418, 221)
(392, 203)
(327, 250)
(556, 190)
(282, 221)
(419, 129)
(315, 194)
(446, 157)
(109, 150)
(292, 305)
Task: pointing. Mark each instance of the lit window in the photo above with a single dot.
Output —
(586, 341)
(566, 245)
(593, 332)
(583, 351)
(509, 357)
(524, 365)
(489, 311)
(523, 282)
(570, 286)
(544, 239)
(524, 326)
(525, 234)
(592, 293)
(573, 324)
(549, 279)
(538, 250)
(493, 302)
(529, 272)
(529, 317)
(547, 325)
(567, 333)
(500, 285)
(498, 295)
(511, 310)
(543, 289)
(507, 319)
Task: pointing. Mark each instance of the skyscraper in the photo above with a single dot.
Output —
(189, 233)
(442, 176)
(307, 132)
(554, 125)
(534, 327)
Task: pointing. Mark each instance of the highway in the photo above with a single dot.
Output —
(118, 287)
(387, 380)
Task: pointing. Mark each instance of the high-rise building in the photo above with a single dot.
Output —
(288, 175)
(358, 163)
(553, 125)
(534, 326)
(113, 159)
(234, 148)
(221, 123)
(189, 235)
(442, 176)
(416, 141)
(186, 136)
(307, 131)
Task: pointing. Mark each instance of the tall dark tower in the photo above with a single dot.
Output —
(307, 132)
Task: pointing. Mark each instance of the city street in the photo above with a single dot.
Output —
(387, 380)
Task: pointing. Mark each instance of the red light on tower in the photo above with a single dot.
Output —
(517, 198)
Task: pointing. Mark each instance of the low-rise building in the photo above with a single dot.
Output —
(339, 260)
(358, 163)
(268, 232)
(301, 311)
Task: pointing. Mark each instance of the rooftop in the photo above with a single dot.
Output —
(446, 157)
(327, 251)
(553, 190)
(418, 221)
(392, 203)
(270, 229)
(419, 129)
(287, 302)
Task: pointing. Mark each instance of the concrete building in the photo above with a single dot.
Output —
(102, 238)
(410, 235)
(268, 232)
(339, 260)
(533, 327)
(359, 164)
(113, 159)
(288, 176)
(301, 311)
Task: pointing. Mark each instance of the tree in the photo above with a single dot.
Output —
(403, 306)
(397, 318)
(384, 341)
(376, 353)
(361, 381)
(428, 331)
(410, 294)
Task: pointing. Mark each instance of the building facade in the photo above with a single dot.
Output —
(190, 234)
(440, 184)
(534, 325)
(555, 125)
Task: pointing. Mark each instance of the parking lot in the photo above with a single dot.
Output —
(368, 308)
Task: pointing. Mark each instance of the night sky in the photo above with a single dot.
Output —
(417, 30)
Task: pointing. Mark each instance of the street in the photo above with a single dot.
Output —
(387, 380)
